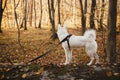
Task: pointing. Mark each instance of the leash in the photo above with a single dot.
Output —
(65, 39)
(40, 56)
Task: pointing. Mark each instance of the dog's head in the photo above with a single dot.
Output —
(62, 30)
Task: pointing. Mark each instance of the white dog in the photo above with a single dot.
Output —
(87, 41)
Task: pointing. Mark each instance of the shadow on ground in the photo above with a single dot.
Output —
(60, 72)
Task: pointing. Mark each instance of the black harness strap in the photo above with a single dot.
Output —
(68, 42)
(66, 38)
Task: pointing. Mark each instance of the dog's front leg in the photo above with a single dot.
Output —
(68, 55)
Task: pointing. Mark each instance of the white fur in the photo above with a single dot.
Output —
(87, 41)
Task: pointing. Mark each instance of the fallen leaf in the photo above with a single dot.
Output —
(40, 71)
(108, 73)
(116, 74)
(24, 76)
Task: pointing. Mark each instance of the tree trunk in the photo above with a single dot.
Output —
(111, 44)
(1, 12)
(25, 16)
(21, 25)
(102, 15)
(85, 11)
(83, 18)
(74, 10)
(8, 22)
(59, 22)
(51, 17)
(92, 14)
(39, 26)
(35, 14)
(31, 12)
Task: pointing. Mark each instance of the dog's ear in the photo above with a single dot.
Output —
(59, 27)
(65, 26)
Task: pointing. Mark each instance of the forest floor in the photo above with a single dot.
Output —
(37, 41)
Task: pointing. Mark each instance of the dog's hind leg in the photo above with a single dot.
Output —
(97, 58)
(91, 55)
(91, 61)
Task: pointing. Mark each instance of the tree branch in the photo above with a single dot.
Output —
(17, 4)
(4, 5)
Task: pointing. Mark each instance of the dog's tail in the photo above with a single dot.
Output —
(90, 34)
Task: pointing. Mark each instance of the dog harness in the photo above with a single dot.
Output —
(67, 39)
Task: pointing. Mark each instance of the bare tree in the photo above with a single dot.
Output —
(8, 22)
(59, 22)
(102, 15)
(111, 44)
(34, 14)
(31, 12)
(83, 13)
(1, 11)
(24, 20)
(93, 4)
(25, 14)
(52, 16)
(40, 20)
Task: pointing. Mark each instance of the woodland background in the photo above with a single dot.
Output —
(28, 29)
(70, 12)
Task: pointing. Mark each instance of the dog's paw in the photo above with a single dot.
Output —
(65, 63)
(89, 64)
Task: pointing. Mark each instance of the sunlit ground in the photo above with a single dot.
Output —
(37, 41)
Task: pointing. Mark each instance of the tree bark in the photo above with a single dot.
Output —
(1, 12)
(35, 15)
(102, 15)
(92, 24)
(25, 16)
(24, 20)
(31, 12)
(111, 44)
(85, 11)
(83, 18)
(59, 22)
(39, 26)
(52, 16)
